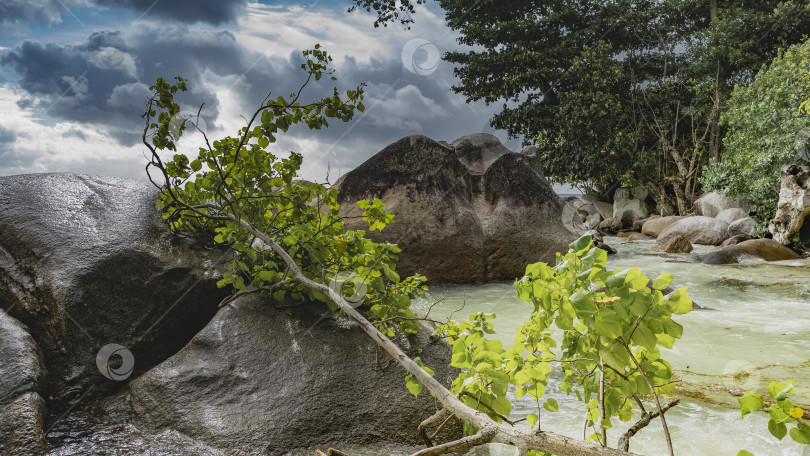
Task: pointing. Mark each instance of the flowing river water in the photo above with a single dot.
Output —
(755, 330)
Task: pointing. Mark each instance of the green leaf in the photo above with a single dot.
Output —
(800, 434)
(644, 337)
(580, 244)
(551, 405)
(778, 430)
(750, 402)
(582, 303)
(662, 281)
(744, 453)
(532, 419)
(413, 385)
(608, 324)
(779, 391)
(680, 303)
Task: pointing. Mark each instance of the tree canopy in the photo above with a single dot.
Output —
(768, 125)
(618, 91)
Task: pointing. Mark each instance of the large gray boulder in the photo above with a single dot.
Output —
(629, 203)
(744, 226)
(605, 209)
(698, 230)
(790, 226)
(459, 218)
(654, 227)
(713, 203)
(23, 381)
(755, 249)
(266, 381)
(478, 151)
(732, 214)
(674, 244)
(87, 261)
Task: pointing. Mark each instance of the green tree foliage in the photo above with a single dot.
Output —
(288, 240)
(767, 128)
(616, 89)
(389, 10)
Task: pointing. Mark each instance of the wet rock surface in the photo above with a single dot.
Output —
(266, 381)
(86, 261)
(23, 380)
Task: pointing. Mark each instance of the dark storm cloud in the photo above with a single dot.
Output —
(104, 81)
(16, 12)
(210, 11)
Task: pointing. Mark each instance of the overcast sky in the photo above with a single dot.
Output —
(74, 77)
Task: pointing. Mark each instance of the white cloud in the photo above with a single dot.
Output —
(280, 31)
(63, 146)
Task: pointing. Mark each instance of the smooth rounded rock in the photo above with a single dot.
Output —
(87, 261)
(267, 381)
(674, 244)
(698, 230)
(732, 214)
(755, 249)
(744, 226)
(457, 226)
(653, 227)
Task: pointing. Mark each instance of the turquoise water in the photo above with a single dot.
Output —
(756, 331)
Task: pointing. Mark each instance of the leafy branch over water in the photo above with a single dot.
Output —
(602, 329)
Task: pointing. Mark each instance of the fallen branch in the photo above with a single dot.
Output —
(421, 430)
(646, 417)
(490, 431)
